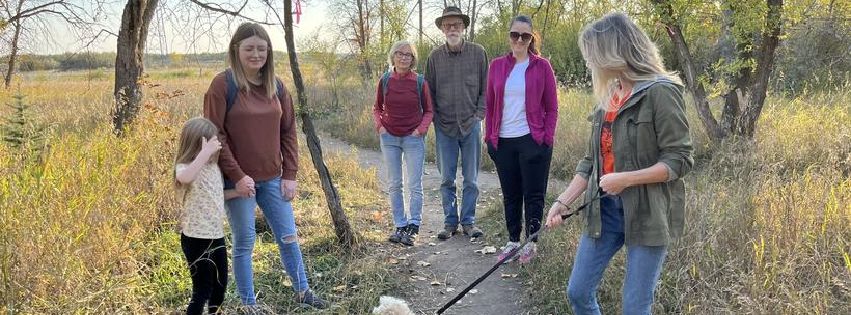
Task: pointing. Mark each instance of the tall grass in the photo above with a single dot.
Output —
(768, 219)
(92, 226)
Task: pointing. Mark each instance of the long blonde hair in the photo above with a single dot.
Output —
(615, 48)
(267, 72)
(190, 142)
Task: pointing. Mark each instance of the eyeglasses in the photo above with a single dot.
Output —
(402, 55)
(516, 35)
(457, 25)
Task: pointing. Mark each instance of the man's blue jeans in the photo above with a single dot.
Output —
(447, 149)
(643, 265)
(412, 149)
(279, 216)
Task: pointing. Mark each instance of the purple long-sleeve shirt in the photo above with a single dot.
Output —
(541, 98)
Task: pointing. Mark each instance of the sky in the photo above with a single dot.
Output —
(182, 27)
(178, 27)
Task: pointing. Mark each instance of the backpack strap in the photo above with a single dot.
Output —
(385, 81)
(232, 90)
(420, 80)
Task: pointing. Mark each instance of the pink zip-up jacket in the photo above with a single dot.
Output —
(541, 98)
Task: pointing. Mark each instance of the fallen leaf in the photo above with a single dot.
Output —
(339, 288)
(435, 283)
(508, 275)
(392, 261)
(432, 244)
(423, 263)
(474, 291)
(450, 289)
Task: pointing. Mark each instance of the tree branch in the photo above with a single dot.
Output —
(237, 13)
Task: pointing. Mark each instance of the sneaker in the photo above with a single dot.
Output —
(473, 231)
(447, 232)
(528, 252)
(312, 300)
(396, 236)
(506, 251)
(410, 234)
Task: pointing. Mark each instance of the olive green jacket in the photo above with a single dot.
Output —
(651, 127)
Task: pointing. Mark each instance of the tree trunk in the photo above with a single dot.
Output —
(473, 15)
(338, 216)
(698, 93)
(13, 54)
(420, 4)
(765, 64)
(129, 64)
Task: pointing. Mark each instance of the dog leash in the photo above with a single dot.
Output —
(510, 256)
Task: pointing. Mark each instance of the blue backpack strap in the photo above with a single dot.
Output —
(280, 87)
(232, 90)
(420, 80)
(385, 81)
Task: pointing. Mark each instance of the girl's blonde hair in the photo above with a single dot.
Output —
(396, 47)
(267, 72)
(190, 141)
(615, 48)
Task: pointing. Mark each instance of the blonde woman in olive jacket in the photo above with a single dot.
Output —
(638, 152)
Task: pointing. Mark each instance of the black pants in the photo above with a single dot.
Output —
(208, 265)
(523, 167)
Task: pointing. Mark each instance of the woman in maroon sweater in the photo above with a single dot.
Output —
(402, 112)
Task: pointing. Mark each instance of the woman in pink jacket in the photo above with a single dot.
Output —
(520, 121)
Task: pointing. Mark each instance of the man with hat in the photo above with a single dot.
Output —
(456, 72)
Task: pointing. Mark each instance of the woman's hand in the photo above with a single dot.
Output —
(554, 216)
(245, 187)
(416, 133)
(381, 130)
(288, 189)
(615, 183)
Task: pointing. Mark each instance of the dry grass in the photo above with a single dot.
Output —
(91, 227)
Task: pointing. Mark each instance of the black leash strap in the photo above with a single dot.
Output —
(510, 256)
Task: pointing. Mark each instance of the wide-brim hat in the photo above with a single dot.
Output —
(452, 11)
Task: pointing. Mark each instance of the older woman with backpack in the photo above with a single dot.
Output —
(402, 112)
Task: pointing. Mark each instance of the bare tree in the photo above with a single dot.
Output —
(129, 64)
(744, 100)
(18, 13)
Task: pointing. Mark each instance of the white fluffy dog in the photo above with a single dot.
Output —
(392, 306)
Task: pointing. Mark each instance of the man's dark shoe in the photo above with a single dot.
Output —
(473, 231)
(447, 232)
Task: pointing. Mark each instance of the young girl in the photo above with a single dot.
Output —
(200, 189)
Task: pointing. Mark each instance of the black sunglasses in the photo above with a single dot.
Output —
(515, 35)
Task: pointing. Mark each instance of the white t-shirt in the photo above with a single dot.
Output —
(203, 202)
(514, 122)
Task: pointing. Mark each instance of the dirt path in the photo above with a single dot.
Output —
(452, 264)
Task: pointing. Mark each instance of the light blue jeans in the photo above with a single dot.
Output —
(412, 149)
(447, 149)
(279, 216)
(643, 265)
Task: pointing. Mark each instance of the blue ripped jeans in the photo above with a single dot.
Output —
(279, 216)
